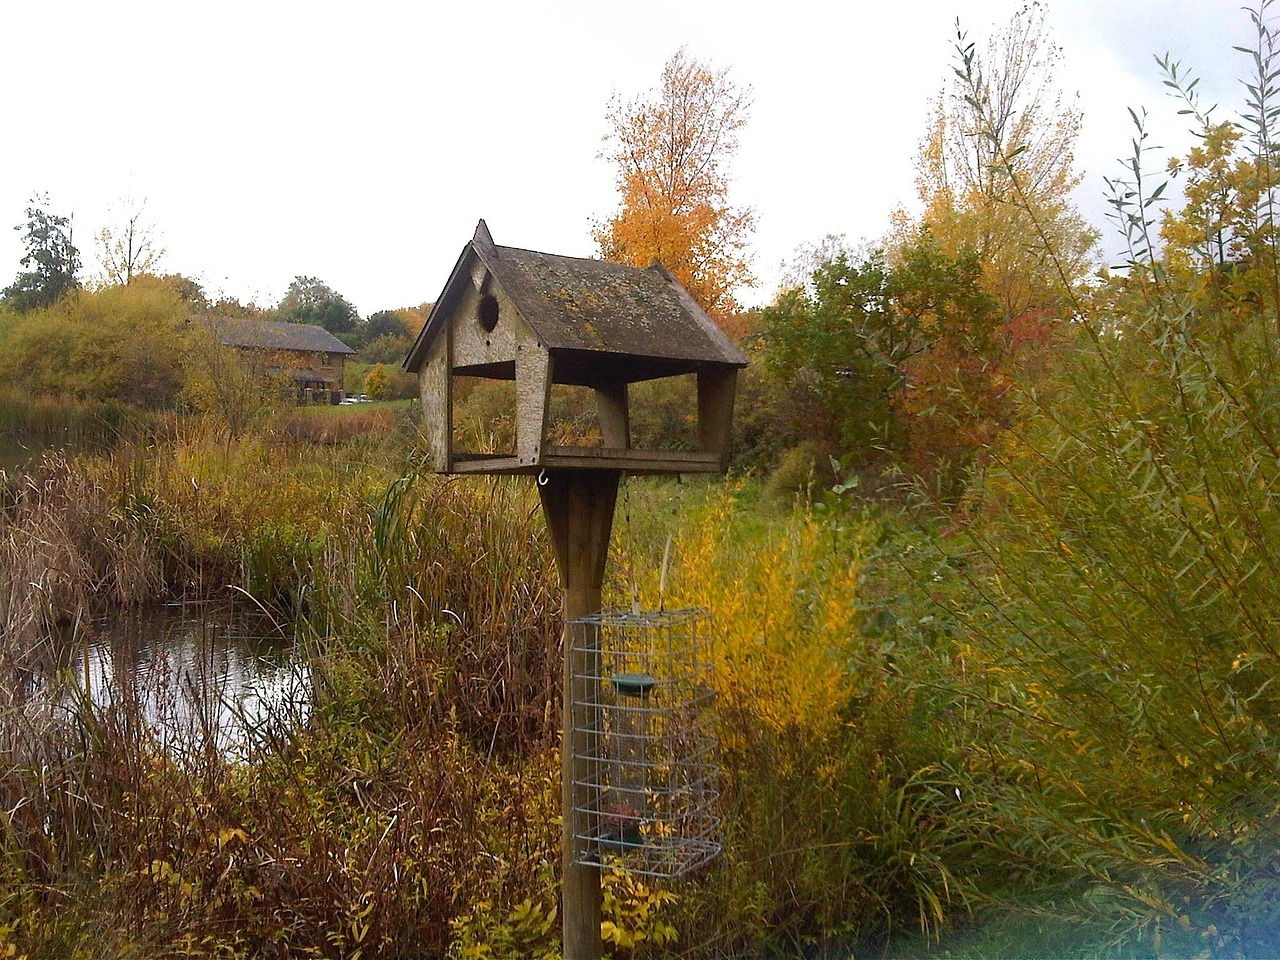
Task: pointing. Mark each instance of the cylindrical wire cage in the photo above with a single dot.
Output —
(643, 726)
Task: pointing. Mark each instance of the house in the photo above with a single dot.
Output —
(310, 357)
(539, 320)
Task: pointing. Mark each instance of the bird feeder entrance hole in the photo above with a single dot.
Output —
(642, 695)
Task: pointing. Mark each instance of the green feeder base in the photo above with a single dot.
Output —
(633, 684)
(621, 840)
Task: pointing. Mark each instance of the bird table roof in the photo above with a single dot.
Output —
(610, 315)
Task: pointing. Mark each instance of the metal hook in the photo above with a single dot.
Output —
(543, 479)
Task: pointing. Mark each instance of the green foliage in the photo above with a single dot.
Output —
(116, 343)
(387, 335)
(1118, 638)
(309, 300)
(839, 816)
(51, 261)
(391, 323)
(389, 348)
(869, 359)
(1127, 627)
(633, 922)
(803, 470)
(399, 385)
(838, 349)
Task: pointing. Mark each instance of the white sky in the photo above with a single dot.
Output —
(359, 142)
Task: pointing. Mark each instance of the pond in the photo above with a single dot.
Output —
(17, 454)
(29, 429)
(199, 673)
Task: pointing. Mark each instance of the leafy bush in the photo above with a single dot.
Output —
(121, 343)
(1121, 644)
(838, 816)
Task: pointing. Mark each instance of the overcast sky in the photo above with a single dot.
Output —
(359, 142)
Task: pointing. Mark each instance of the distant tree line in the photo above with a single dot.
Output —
(131, 334)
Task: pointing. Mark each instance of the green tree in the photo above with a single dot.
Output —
(389, 323)
(309, 300)
(834, 350)
(671, 150)
(50, 263)
(870, 358)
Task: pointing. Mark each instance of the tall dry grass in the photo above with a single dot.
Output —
(418, 805)
(423, 782)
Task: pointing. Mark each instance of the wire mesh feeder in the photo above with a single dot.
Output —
(641, 706)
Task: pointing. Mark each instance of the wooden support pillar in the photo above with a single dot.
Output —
(615, 419)
(715, 411)
(579, 506)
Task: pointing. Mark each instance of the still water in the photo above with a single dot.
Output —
(199, 673)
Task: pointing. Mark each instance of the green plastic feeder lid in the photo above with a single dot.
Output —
(633, 684)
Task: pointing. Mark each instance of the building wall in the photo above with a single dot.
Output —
(331, 367)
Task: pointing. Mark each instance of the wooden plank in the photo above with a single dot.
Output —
(435, 390)
(715, 411)
(675, 456)
(592, 458)
(615, 418)
(473, 345)
(579, 507)
(533, 398)
(632, 465)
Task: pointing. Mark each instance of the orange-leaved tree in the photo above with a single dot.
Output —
(671, 149)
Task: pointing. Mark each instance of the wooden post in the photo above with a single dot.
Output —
(578, 505)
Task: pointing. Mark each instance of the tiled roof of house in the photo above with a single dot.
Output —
(273, 335)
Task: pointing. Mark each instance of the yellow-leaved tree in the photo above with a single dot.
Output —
(997, 167)
(671, 148)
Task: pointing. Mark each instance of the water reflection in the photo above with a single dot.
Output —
(200, 673)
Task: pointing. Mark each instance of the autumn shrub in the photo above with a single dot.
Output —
(804, 470)
(1120, 637)
(1124, 634)
(117, 343)
(838, 818)
(327, 426)
(225, 522)
(416, 810)
(424, 783)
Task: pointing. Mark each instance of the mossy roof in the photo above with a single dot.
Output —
(273, 335)
(590, 308)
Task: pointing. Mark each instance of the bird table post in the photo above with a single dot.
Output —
(579, 507)
(538, 319)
